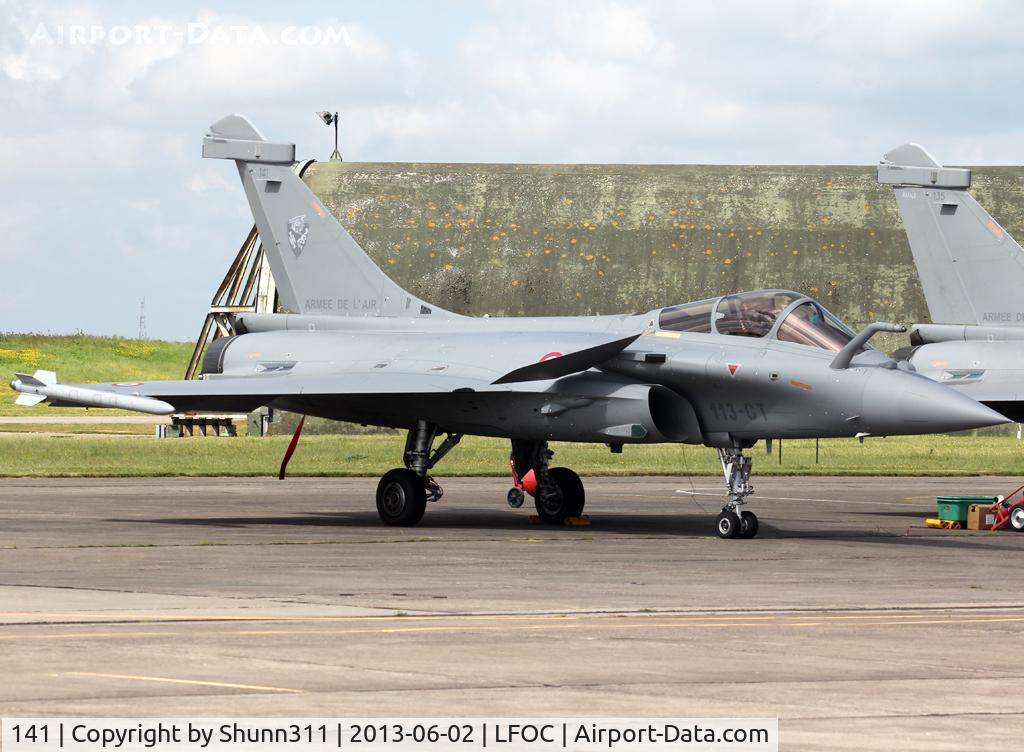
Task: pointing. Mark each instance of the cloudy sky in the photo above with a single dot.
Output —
(105, 199)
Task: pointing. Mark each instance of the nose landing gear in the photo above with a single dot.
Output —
(734, 521)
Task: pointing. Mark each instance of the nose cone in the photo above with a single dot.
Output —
(899, 403)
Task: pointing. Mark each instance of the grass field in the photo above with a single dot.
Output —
(117, 429)
(79, 358)
(373, 455)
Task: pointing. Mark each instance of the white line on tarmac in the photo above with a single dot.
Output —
(193, 682)
(721, 492)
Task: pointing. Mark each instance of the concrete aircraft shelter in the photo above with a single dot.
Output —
(508, 239)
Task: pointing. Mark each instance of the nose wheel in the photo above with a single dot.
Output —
(748, 525)
(732, 525)
(734, 521)
(728, 524)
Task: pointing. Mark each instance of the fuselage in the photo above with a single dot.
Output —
(722, 371)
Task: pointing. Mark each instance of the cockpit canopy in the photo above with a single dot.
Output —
(786, 316)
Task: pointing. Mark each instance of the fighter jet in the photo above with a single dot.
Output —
(723, 372)
(972, 273)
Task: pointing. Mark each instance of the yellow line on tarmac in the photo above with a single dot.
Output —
(369, 618)
(171, 618)
(181, 617)
(561, 623)
(718, 624)
(753, 622)
(919, 615)
(603, 623)
(83, 635)
(995, 620)
(193, 682)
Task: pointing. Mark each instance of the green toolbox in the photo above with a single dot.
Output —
(955, 507)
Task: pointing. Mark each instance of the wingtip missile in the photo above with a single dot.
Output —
(43, 386)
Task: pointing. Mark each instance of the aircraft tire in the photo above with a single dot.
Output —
(727, 524)
(748, 525)
(1017, 519)
(573, 497)
(401, 498)
(515, 497)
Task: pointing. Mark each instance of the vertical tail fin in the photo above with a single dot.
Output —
(971, 270)
(318, 267)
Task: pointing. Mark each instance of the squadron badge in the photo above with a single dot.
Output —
(298, 233)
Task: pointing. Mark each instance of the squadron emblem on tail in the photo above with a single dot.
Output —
(298, 232)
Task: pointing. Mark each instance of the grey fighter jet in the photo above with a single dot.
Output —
(723, 372)
(972, 273)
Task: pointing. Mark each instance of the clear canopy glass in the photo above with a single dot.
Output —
(689, 317)
(757, 314)
(810, 324)
(752, 314)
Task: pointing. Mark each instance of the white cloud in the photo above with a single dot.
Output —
(900, 30)
(22, 68)
(263, 71)
(209, 180)
(1004, 147)
(609, 30)
(70, 151)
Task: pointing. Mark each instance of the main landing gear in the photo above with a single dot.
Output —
(734, 521)
(557, 491)
(403, 493)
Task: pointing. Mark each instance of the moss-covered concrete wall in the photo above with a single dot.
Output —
(579, 239)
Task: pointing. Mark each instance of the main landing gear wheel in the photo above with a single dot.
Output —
(728, 524)
(566, 499)
(403, 493)
(748, 525)
(1017, 519)
(401, 497)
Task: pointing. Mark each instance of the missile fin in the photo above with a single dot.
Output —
(27, 380)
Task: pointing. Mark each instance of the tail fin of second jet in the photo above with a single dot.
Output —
(971, 269)
(317, 266)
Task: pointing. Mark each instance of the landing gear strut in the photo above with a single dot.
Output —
(558, 491)
(403, 493)
(734, 521)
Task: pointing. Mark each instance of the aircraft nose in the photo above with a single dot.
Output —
(898, 403)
